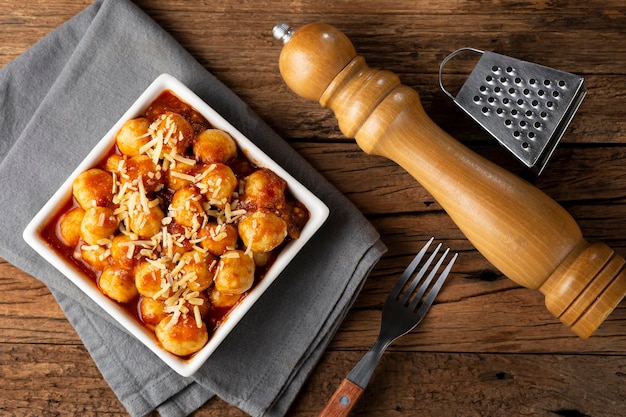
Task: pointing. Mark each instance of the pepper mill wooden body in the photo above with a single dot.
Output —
(524, 233)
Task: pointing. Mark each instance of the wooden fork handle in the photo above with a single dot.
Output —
(343, 400)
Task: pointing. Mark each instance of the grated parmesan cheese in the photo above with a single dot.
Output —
(198, 317)
(182, 176)
(187, 161)
(131, 251)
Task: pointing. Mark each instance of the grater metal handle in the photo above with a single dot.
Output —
(446, 60)
(524, 233)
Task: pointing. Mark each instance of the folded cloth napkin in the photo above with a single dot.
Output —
(57, 100)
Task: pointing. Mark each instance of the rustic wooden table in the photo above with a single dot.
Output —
(488, 347)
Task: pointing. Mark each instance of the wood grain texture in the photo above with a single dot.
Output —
(488, 346)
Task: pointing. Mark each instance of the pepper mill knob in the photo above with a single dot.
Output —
(524, 233)
(310, 69)
(282, 32)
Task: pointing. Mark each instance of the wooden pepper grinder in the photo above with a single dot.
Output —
(524, 233)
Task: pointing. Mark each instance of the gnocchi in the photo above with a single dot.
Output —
(93, 188)
(235, 273)
(117, 283)
(175, 223)
(69, 226)
(96, 256)
(218, 183)
(183, 336)
(186, 207)
(123, 251)
(133, 136)
(148, 279)
(151, 311)
(98, 224)
(221, 300)
(217, 238)
(262, 231)
(142, 174)
(214, 145)
(264, 189)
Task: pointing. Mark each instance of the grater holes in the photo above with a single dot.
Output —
(522, 105)
(519, 104)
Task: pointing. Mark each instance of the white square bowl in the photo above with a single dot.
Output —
(184, 366)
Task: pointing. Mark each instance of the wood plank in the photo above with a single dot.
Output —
(415, 49)
(612, 8)
(598, 120)
(443, 385)
(48, 379)
(405, 383)
(575, 174)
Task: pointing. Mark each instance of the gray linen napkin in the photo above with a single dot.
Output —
(56, 101)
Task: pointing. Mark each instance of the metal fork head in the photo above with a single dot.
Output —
(408, 302)
(401, 312)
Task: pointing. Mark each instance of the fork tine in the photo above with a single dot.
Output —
(420, 274)
(436, 287)
(409, 271)
(424, 285)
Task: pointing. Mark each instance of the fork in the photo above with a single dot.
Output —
(401, 314)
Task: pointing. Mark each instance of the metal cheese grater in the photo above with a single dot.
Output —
(526, 107)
